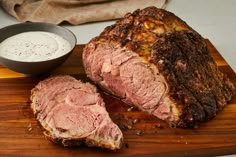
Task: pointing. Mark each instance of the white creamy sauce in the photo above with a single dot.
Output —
(34, 46)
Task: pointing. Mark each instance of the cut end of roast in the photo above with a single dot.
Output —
(73, 112)
(155, 61)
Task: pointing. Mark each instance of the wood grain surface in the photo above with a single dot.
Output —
(22, 136)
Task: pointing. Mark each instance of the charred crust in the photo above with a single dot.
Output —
(131, 31)
(193, 77)
(75, 142)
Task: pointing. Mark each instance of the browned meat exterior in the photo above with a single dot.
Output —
(155, 61)
(73, 113)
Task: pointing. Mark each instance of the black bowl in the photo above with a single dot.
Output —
(36, 67)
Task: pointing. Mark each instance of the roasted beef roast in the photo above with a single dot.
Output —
(73, 112)
(152, 59)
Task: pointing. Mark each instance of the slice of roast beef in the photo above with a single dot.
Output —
(73, 113)
(152, 59)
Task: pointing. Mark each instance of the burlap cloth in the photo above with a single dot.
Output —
(74, 11)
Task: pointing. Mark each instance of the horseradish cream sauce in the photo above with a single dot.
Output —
(34, 46)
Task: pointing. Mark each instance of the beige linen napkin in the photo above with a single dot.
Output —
(74, 11)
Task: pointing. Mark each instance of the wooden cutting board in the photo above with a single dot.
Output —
(22, 136)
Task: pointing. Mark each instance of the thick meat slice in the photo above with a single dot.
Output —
(155, 61)
(73, 112)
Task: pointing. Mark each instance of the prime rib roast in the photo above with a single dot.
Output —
(73, 113)
(153, 60)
